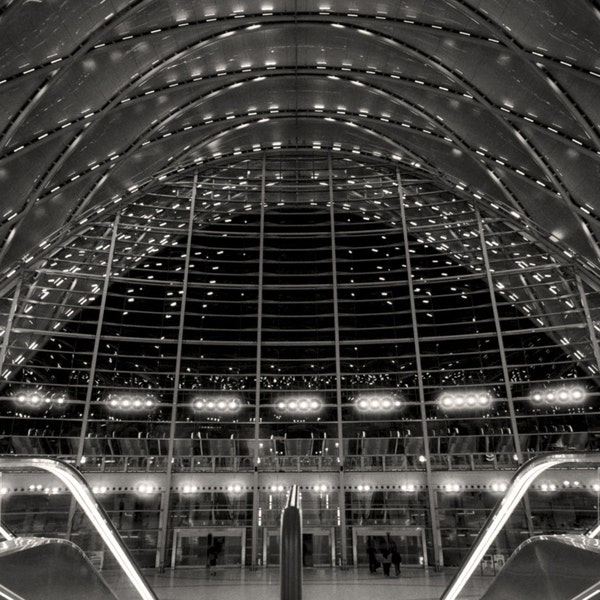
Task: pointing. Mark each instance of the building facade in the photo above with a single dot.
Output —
(259, 247)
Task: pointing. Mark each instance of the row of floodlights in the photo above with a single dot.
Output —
(304, 404)
(222, 404)
(566, 484)
(453, 487)
(235, 488)
(405, 487)
(496, 486)
(460, 401)
(562, 395)
(377, 403)
(502, 486)
(300, 404)
(131, 402)
(36, 398)
(229, 404)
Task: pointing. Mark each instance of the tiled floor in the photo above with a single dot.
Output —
(325, 584)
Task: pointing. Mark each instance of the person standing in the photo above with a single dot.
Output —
(212, 556)
(373, 563)
(396, 560)
(386, 561)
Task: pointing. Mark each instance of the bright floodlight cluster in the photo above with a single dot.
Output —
(499, 486)
(561, 395)
(464, 400)
(216, 404)
(300, 404)
(131, 401)
(146, 488)
(37, 398)
(377, 402)
(451, 487)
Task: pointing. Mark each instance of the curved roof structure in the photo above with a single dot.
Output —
(494, 100)
(469, 130)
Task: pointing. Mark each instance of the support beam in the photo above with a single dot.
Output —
(166, 499)
(505, 374)
(99, 325)
(338, 371)
(9, 322)
(259, 319)
(431, 495)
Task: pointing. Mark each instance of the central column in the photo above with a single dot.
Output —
(338, 373)
(259, 318)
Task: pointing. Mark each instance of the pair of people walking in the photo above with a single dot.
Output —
(385, 557)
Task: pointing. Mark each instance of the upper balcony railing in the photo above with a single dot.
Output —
(385, 454)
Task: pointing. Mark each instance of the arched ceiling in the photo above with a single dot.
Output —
(497, 100)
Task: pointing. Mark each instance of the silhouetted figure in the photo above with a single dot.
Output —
(212, 556)
(396, 560)
(373, 562)
(386, 561)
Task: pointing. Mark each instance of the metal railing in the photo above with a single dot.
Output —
(519, 484)
(84, 496)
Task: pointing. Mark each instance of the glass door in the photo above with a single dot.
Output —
(409, 541)
(191, 547)
(318, 547)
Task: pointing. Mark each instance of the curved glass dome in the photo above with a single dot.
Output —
(249, 298)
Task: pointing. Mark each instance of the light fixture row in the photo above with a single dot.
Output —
(132, 401)
(220, 404)
(560, 395)
(37, 398)
(462, 401)
(377, 402)
(451, 487)
(300, 404)
(303, 404)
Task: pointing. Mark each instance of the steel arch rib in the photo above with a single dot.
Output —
(519, 50)
(82, 49)
(198, 45)
(422, 56)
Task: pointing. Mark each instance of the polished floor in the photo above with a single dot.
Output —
(325, 584)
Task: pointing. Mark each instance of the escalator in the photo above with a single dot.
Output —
(57, 569)
(563, 567)
(49, 569)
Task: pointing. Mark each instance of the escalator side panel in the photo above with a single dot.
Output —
(548, 568)
(52, 570)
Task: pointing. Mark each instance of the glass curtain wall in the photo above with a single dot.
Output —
(310, 314)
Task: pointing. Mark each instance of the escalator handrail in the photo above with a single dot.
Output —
(519, 485)
(6, 533)
(589, 593)
(7, 594)
(84, 496)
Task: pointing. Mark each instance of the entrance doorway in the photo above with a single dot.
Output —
(318, 549)
(410, 542)
(190, 546)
